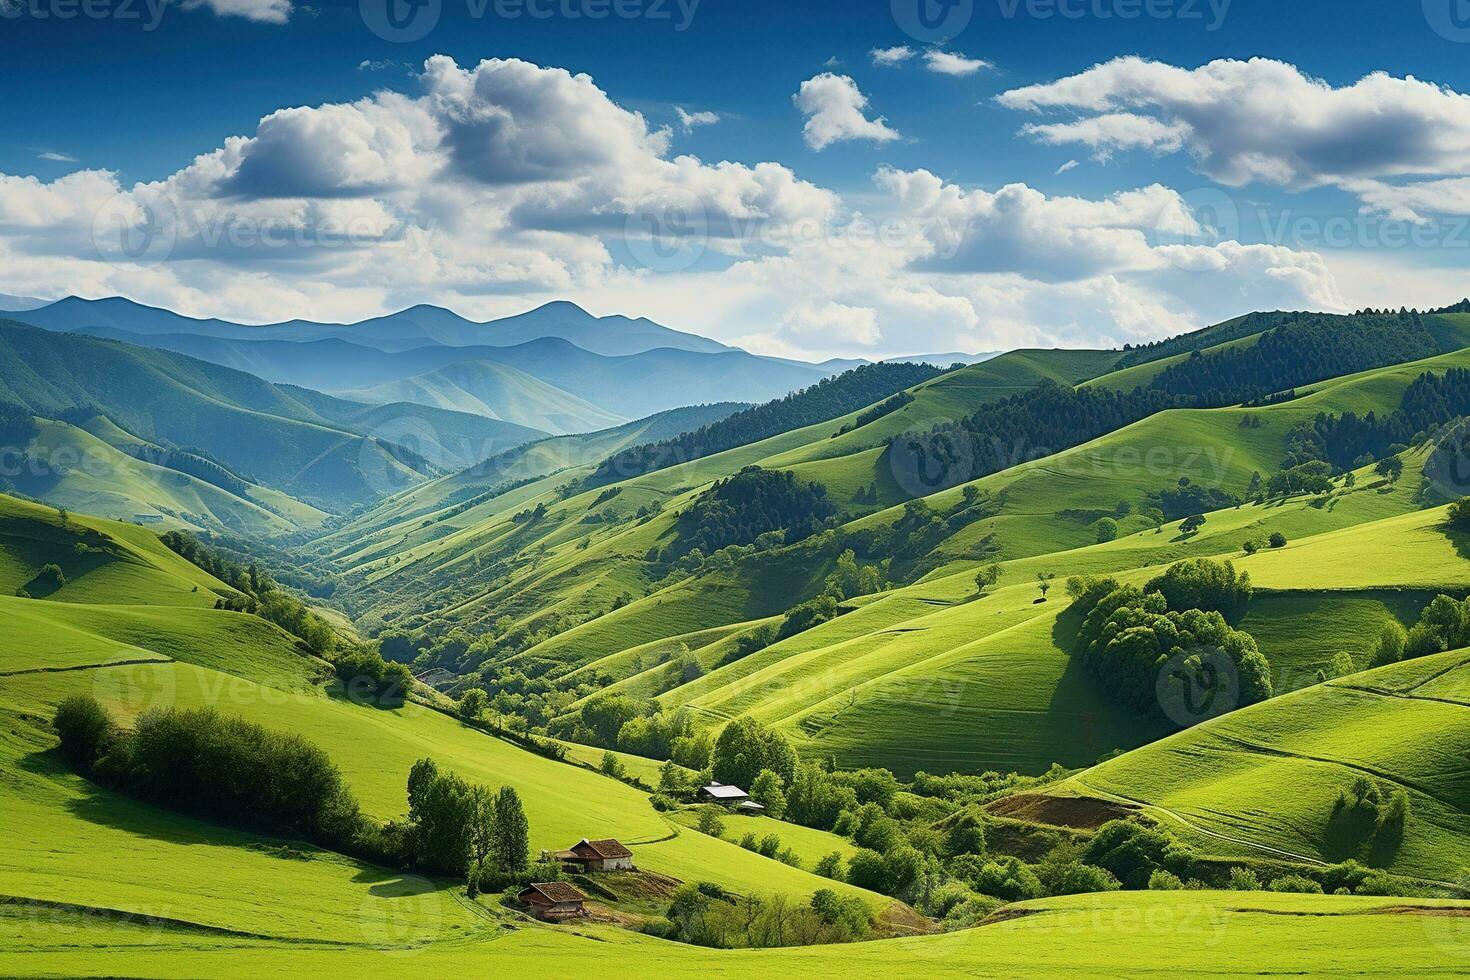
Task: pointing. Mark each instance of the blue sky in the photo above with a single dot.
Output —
(126, 99)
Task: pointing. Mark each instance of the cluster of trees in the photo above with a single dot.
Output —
(1187, 497)
(1363, 815)
(369, 679)
(218, 768)
(1045, 420)
(1443, 625)
(886, 407)
(638, 726)
(1130, 636)
(829, 398)
(257, 592)
(238, 773)
(1348, 441)
(1306, 349)
(464, 830)
(706, 915)
(737, 510)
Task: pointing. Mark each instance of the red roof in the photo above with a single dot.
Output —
(556, 892)
(607, 849)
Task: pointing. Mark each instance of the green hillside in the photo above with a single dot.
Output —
(1266, 778)
(318, 449)
(495, 391)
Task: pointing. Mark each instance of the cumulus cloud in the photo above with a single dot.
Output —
(689, 120)
(888, 57)
(834, 110)
(1262, 121)
(262, 11)
(493, 187)
(950, 63)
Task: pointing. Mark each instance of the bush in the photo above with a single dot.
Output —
(86, 731)
(1107, 530)
(1164, 881)
(711, 821)
(1008, 878)
(1077, 878)
(1277, 540)
(830, 866)
(1296, 884)
(1243, 880)
(369, 679)
(1132, 853)
(1391, 642)
(1459, 513)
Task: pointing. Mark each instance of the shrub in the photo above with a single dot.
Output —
(710, 821)
(1459, 513)
(830, 866)
(1132, 853)
(369, 679)
(1243, 880)
(1077, 878)
(1164, 881)
(1297, 884)
(1277, 540)
(1391, 643)
(86, 730)
(1107, 530)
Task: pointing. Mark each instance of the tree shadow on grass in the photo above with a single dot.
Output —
(1459, 537)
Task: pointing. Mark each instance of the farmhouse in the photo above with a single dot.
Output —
(553, 900)
(597, 855)
(732, 797)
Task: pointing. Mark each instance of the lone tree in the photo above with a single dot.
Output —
(473, 704)
(987, 577)
(1191, 524)
(1043, 582)
(1391, 467)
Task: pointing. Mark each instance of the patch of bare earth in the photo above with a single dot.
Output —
(1084, 812)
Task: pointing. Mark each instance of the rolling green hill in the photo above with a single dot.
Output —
(1266, 778)
(313, 447)
(495, 391)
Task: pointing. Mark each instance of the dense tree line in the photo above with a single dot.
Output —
(1053, 417)
(1031, 425)
(217, 768)
(1309, 349)
(238, 773)
(829, 398)
(1349, 440)
(257, 592)
(1187, 497)
(737, 510)
(886, 407)
(1245, 326)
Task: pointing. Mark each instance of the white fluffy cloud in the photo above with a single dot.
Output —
(689, 120)
(835, 111)
(888, 57)
(497, 186)
(1264, 121)
(951, 63)
(263, 11)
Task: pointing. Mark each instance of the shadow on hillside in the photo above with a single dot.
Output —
(1459, 537)
(394, 884)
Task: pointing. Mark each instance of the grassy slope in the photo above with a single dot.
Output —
(109, 483)
(1268, 775)
(1128, 934)
(497, 391)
